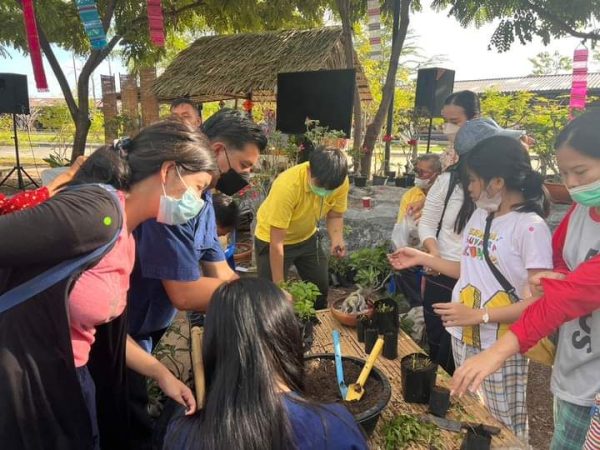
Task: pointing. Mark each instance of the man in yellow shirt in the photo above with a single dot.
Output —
(287, 221)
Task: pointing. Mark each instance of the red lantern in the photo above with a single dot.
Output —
(247, 105)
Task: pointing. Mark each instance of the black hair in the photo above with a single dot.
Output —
(235, 129)
(467, 208)
(183, 101)
(329, 166)
(251, 342)
(467, 100)
(130, 161)
(582, 134)
(227, 211)
(505, 157)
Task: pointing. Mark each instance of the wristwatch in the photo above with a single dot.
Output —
(486, 316)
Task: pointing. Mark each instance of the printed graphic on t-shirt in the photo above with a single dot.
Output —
(582, 339)
(471, 297)
(474, 245)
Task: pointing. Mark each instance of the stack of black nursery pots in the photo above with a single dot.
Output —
(385, 322)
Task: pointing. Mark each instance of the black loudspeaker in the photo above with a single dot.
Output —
(324, 95)
(433, 87)
(14, 96)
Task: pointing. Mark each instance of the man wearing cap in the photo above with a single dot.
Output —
(443, 218)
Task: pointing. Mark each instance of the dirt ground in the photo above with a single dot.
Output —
(539, 404)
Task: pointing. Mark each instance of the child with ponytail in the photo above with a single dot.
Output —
(504, 243)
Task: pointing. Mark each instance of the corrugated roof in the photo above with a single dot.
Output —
(532, 83)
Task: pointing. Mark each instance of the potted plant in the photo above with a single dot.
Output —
(340, 272)
(321, 386)
(304, 294)
(386, 315)
(418, 374)
(548, 118)
(360, 181)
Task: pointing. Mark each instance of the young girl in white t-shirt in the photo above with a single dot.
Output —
(508, 194)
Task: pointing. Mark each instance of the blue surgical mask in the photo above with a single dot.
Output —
(177, 211)
(587, 195)
(319, 191)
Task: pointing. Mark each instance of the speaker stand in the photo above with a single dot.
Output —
(18, 168)
(429, 133)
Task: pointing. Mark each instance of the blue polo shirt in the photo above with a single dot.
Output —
(167, 252)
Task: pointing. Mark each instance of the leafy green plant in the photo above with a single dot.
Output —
(382, 307)
(368, 278)
(405, 430)
(371, 258)
(57, 158)
(340, 266)
(304, 294)
(320, 135)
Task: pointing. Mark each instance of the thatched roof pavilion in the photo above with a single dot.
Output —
(233, 66)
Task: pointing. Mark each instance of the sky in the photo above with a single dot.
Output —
(465, 51)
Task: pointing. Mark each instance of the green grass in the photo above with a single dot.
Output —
(6, 138)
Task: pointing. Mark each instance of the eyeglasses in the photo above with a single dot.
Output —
(424, 173)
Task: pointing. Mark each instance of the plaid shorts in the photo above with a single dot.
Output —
(503, 392)
(571, 424)
(592, 440)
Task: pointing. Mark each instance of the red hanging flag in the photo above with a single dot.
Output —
(579, 82)
(156, 23)
(33, 41)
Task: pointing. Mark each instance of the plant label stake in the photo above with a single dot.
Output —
(339, 368)
(198, 365)
(355, 390)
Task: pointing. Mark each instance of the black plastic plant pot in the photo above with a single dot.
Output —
(361, 325)
(371, 335)
(476, 439)
(390, 345)
(391, 175)
(389, 320)
(418, 377)
(410, 179)
(366, 419)
(307, 329)
(351, 178)
(439, 401)
(378, 180)
(360, 181)
(400, 182)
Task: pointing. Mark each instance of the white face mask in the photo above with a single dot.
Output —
(489, 203)
(422, 183)
(450, 129)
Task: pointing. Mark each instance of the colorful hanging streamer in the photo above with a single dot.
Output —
(33, 41)
(156, 23)
(88, 13)
(374, 29)
(579, 82)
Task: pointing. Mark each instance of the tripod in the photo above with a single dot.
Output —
(18, 168)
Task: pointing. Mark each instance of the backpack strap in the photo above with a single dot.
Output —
(59, 272)
(451, 186)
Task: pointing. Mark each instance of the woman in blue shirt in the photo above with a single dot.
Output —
(254, 370)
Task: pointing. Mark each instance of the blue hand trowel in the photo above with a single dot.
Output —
(339, 369)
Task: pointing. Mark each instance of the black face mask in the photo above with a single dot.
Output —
(231, 182)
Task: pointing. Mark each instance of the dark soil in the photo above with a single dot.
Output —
(321, 385)
(539, 406)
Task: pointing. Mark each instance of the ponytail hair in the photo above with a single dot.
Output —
(505, 157)
(129, 161)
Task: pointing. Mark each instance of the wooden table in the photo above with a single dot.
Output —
(467, 408)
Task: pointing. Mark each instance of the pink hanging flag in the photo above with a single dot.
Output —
(579, 82)
(33, 42)
(156, 23)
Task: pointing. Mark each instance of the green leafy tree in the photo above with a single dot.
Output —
(125, 22)
(545, 63)
(524, 19)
